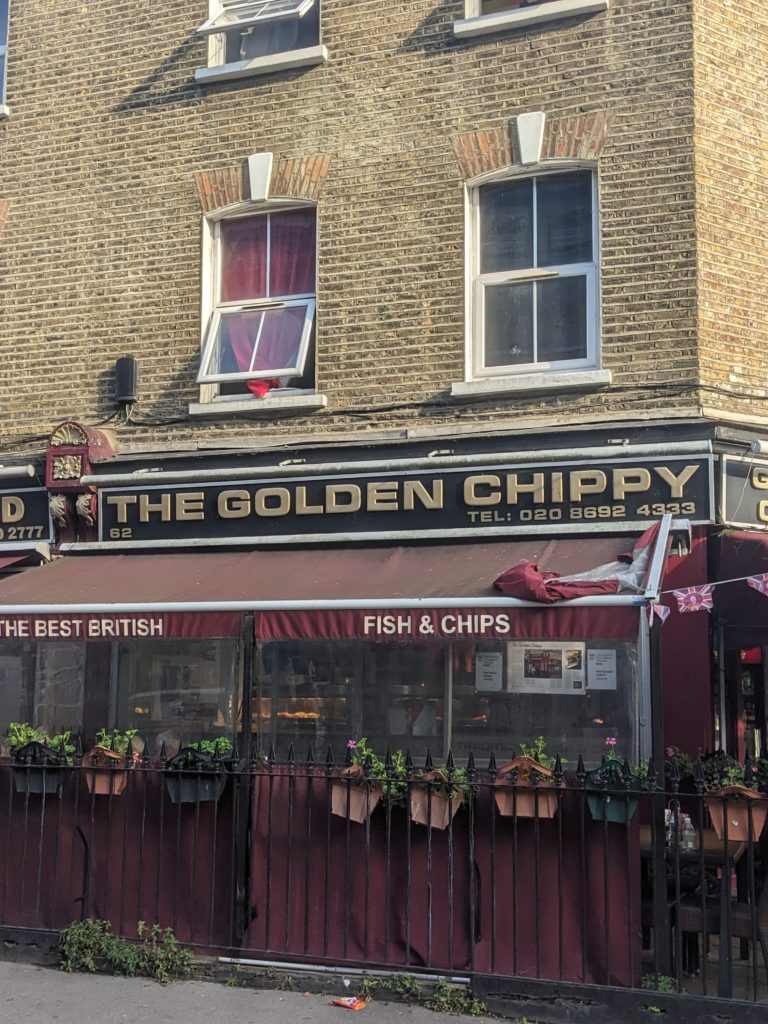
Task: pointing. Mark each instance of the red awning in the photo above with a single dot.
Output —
(742, 610)
(9, 560)
(315, 592)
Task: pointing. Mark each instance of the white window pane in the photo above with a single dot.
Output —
(506, 226)
(243, 15)
(509, 325)
(274, 36)
(561, 314)
(564, 219)
(256, 343)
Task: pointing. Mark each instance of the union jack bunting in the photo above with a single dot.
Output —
(694, 599)
(759, 583)
(658, 609)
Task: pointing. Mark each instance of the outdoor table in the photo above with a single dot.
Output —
(714, 852)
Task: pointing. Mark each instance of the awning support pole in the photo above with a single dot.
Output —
(243, 781)
(659, 855)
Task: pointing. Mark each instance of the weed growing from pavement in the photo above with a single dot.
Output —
(455, 999)
(91, 946)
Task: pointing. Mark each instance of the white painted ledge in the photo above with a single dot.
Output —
(277, 401)
(307, 57)
(4, 111)
(532, 383)
(522, 17)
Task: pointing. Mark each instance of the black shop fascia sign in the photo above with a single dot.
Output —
(417, 504)
(24, 516)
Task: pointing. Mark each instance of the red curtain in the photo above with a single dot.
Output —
(291, 241)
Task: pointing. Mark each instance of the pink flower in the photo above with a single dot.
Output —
(610, 741)
(670, 751)
(351, 744)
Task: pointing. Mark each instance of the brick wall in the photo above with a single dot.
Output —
(100, 253)
(731, 76)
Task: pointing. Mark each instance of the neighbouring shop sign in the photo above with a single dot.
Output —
(454, 502)
(745, 492)
(24, 515)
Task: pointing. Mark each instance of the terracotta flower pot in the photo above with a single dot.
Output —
(522, 798)
(353, 796)
(432, 804)
(736, 813)
(105, 775)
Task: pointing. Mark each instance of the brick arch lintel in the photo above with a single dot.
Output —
(5, 205)
(291, 178)
(580, 137)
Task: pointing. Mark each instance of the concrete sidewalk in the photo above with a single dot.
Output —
(42, 995)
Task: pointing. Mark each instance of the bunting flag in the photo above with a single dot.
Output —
(694, 599)
(759, 583)
(658, 609)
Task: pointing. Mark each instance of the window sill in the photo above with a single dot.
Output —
(307, 57)
(4, 111)
(532, 383)
(485, 23)
(277, 401)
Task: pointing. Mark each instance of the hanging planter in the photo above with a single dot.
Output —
(530, 793)
(607, 789)
(194, 776)
(736, 813)
(434, 799)
(353, 796)
(38, 769)
(106, 774)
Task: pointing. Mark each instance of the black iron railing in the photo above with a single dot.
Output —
(600, 877)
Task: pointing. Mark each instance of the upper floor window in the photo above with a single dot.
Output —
(483, 16)
(534, 294)
(262, 307)
(3, 51)
(255, 36)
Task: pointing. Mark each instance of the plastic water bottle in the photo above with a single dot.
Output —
(688, 835)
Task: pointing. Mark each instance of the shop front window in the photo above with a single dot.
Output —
(575, 694)
(326, 692)
(177, 691)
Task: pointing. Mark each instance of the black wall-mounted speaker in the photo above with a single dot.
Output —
(126, 380)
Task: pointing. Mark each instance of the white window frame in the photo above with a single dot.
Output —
(475, 23)
(250, 12)
(5, 15)
(477, 283)
(213, 308)
(253, 13)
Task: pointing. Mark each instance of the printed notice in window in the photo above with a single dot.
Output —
(489, 667)
(546, 667)
(601, 670)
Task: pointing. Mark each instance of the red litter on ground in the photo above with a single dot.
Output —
(350, 1003)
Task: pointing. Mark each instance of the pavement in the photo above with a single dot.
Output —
(44, 995)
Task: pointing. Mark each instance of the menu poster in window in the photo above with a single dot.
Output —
(601, 670)
(489, 670)
(545, 667)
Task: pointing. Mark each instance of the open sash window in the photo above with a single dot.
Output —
(246, 30)
(261, 325)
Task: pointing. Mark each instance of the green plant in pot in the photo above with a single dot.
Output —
(610, 786)
(436, 794)
(527, 786)
(39, 760)
(199, 772)
(365, 780)
(736, 796)
(107, 761)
